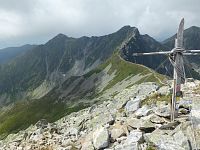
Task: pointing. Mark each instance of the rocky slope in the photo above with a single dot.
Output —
(76, 93)
(65, 75)
(136, 118)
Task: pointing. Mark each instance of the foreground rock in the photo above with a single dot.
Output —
(118, 124)
(133, 104)
(101, 138)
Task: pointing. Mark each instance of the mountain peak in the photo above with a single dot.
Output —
(60, 35)
(128, 29)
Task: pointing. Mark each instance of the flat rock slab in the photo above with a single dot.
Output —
(170, 125)
(157, 119)
(143, 111)
(163, 111)
(144, 125)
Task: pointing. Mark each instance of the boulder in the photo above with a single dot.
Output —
(87, 146)
(135, 136)
(144, 125)
(143, 111)
(163, 140)
(132, 105)
(86, 142)
(102, 119)
(147, 126)
(132, 141)
(134, 123)
(101, 138)
(147, 88)
(190, 132)
(117, 131)
(181, 139)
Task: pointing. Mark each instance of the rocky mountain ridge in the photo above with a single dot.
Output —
(67, 74)
(48, 65)
(76, 93)
(136, 118)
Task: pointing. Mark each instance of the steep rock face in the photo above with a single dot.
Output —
(145, 43)
(160, 63)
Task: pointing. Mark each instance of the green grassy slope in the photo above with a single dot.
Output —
(25, 113)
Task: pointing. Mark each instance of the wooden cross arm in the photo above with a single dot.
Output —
(152, 53)
(192, 51)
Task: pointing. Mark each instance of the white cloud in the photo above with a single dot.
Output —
(36, 21)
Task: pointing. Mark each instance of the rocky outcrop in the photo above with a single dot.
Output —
(107, 126)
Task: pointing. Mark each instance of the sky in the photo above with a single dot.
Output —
(37, 21)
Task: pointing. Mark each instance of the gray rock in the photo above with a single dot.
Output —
(134, 123)
(144, 125)
(117, 131)
(162, 140)
(194, 137)
(182, 139)
(131, 146)
(101, 138)
(102, 119)
(87, 146)
(147, 126)
(164, 90)
(132, 142)
(156, 119)
(143, 111)
(163, 111)
(86, 142)
(147, 88)
(134, 136)
(132, 105)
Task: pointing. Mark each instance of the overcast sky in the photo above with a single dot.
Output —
(37, 21)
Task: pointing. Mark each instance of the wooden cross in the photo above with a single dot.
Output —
(176, 59)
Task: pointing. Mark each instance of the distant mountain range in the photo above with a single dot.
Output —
(67, 74)
(9, 53)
